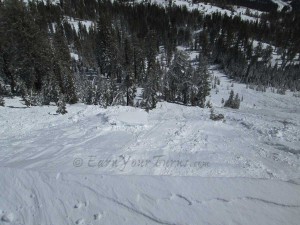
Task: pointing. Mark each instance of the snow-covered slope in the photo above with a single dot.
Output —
(281, 4)
(207, 9)
(57, 169)
(260, 140)
(29, 197)
(45, 1)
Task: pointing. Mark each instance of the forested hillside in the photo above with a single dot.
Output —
(124, 112)
(99, 52)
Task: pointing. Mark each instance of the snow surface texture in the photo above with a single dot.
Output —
(36, 198)
(281, 4)
(57, 169)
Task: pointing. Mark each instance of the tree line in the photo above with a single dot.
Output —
(132, 46)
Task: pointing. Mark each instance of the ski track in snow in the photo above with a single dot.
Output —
(249, 164)
(144, 199)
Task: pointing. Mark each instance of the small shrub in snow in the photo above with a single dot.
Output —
(261, 88)
(251, 86)
(232, 102)
(61, 104)
(208, 104)
(281, 91)
(33, 100)
(27, 101)
(2, 102)
(215, 117)
(2, 90)
(297, 95)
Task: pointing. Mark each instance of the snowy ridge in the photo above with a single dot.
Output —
(208, 9)
(45, 1)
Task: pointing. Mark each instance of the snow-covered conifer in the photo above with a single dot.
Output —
(61, 104)
(2, 102)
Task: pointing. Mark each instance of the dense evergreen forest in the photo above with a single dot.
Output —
(134, 45)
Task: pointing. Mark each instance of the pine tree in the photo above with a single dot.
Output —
(151, 52)
(177, 81)
(90, 97)
(186, 85)
(108, 93)
(24, 45)
(151, 88)
(105, 41)
(229, 102)
(2, 102)
(117, 93)
(129, 73)
(103, 93)
(50, 90)
(62, 67)
(202, 82)
(233, 102)
(203, 41)
(61, 106)
(138, 60)
(237, 102)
